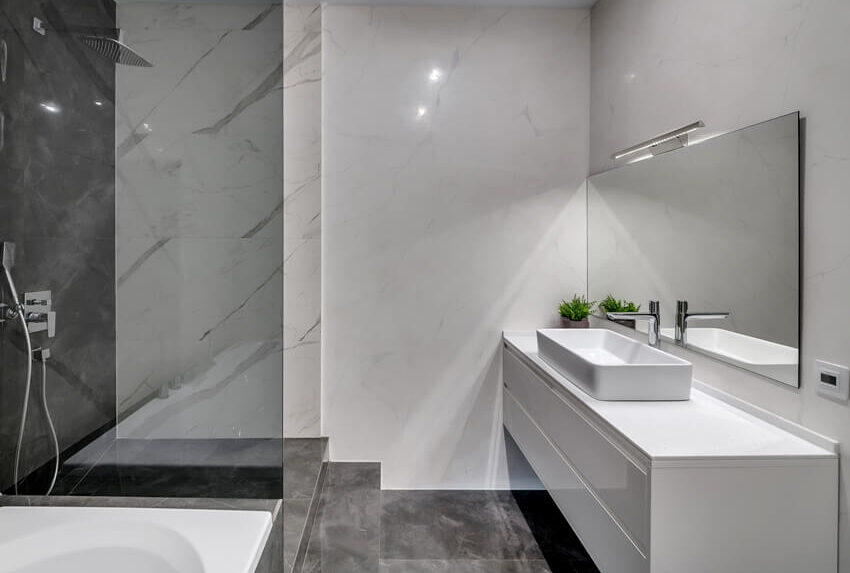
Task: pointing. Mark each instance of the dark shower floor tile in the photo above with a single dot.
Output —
(234, 468)
(170, 481)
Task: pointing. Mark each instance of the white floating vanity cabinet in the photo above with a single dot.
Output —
(694, 486)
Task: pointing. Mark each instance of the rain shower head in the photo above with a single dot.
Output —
(101, 43)
(115, 51)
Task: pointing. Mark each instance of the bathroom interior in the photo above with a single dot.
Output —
(424, 286)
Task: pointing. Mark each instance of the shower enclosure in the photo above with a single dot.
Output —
(141, 180)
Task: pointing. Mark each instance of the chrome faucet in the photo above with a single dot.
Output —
(653, 317)
(683, 317)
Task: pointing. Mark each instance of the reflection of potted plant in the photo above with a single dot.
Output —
(575, 312)
(611, 304)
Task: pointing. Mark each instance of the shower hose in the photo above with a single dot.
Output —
(43, 360)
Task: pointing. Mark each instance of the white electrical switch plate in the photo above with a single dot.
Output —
(833, 380)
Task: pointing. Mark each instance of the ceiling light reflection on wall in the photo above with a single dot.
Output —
(49, 106)
(435, 75)
(421, 112)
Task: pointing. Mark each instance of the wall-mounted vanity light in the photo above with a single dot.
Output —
(662, 143)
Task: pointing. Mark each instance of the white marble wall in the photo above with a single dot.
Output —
(302, 279)
(199, 225)
(454, 157)
(659, 64)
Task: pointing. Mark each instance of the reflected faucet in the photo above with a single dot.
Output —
(653, 317)
(683, 316)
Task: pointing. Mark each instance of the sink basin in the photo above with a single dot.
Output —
(763, 357)
(610, 366)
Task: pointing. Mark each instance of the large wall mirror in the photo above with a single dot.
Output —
(715, 224)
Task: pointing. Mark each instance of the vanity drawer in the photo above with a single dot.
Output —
(619, 483)
(612, 551)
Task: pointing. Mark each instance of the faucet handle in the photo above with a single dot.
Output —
(51, 324)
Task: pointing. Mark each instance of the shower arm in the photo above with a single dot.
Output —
(41, 27)
(104, 41)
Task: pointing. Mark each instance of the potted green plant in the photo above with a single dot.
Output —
(611, 304)
(574, 312)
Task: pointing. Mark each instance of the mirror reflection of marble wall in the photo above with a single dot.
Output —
(716, 224)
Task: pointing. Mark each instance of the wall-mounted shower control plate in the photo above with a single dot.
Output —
(38, 307)
(833, 380)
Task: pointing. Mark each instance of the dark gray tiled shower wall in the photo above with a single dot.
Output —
(57, 203)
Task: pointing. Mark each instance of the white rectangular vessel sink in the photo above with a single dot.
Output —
(610, 366)
(763, 357)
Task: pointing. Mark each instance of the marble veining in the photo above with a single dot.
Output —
(237, 396)
(447, 216)
(199, 221)
(301, 208)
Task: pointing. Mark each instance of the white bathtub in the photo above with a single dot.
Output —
(130, 540)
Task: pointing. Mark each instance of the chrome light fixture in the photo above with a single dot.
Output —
(662, 143)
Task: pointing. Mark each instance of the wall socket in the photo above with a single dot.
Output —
(833, 380)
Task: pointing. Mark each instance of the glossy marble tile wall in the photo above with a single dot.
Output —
(199, 229)
(454, 153)
(58, 205)
(658, 64)
(302, 278)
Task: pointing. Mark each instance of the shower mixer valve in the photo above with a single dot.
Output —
(37, 311)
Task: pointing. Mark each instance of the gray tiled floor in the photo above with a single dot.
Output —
(361, 529)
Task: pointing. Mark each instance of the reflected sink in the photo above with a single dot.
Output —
(763, 357)
(610, 366)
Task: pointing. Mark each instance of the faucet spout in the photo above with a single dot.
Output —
(653, 317)
(683, 317)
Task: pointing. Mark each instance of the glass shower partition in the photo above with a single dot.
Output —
(199, 256)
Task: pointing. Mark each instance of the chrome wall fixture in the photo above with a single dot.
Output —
(662, 143)
(101, 42)
(683, 317)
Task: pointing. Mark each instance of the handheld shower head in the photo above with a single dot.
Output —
(7, 255)
(7, 261)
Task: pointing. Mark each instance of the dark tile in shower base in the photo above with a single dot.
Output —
(248, 468)
(169, 481)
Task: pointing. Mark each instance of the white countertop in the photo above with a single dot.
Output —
(702, 427)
